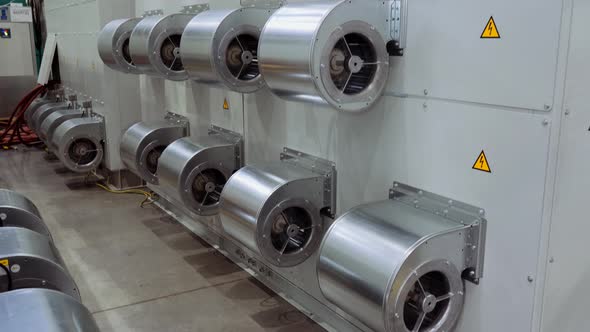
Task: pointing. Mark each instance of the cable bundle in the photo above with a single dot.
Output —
(14, 130)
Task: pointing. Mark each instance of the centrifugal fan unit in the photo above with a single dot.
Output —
(18, 211)
(155, 46)
(399, 265)
(327, 52)
(195, 170)
(28, 310)
(113, 45)
(143, 143)
(54, 95)
(78, 143)
(37, 117)
(54, 120)
(277, 209)
(30, 260)
(220, 47)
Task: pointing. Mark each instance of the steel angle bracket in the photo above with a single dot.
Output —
(471, 217)
(322, 167)
(194, 9)
(266, 4)
(179, 120)
(233, 137)
(398, 22)
(153, 12)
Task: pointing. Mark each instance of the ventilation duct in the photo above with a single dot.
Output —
(327, 52)
(276, 209)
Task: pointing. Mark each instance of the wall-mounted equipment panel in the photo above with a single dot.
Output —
(155, 46)
(277, 209)
(195, 170)
(78, 143)
(30, 260)
(143, 143)
(330, 52)
(399, 265)
(31, 310)
(113, 45)
(18, 211)
(221, 47)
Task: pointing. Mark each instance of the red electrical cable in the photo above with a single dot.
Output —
(16, 127)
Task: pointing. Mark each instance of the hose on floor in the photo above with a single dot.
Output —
(14, 130)
(150, 197)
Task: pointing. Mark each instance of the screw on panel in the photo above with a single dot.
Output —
(546, 122)
(530, 279)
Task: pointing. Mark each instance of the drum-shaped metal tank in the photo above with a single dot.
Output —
(36, 310)
(195, 170)
(143, 144)
(276, 210)
(113, 45)
(78, 143)
(18, 211)
(54, 120)
(31, 261)
(327, 52)
(221, 47)
(155, 46)
(397, 265)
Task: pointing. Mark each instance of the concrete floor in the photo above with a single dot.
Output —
(137, 269)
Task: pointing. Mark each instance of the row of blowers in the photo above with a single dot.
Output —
(37, 293)
(69, 130)
(312, 53)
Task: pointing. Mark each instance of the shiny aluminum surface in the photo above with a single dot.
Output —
(113, 45)
(34, 262)
(43, 112)
(256, 196)
(208, 44)
(54, 120)
(87, 133)
(36, 310)
(18, 211)
(188, 158)
(370, 258)
(142, 140)
(151, 37)
(296, 46)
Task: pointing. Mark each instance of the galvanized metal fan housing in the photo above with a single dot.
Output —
(333, 52)
(18, 211)
(221, 47)
(155, 46)
(54, 120)
(113, 45)
(79, 143)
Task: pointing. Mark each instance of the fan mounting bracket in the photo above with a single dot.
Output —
(194, 9)
(153, 12)
(324, 168)
(398, 22)
(179, 120)
(267, 4)
(233, 137)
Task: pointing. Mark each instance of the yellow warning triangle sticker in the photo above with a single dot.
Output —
(481, 164)
(225, 105)
(491, 30)
(4, 262)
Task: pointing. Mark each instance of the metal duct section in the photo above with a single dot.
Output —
(32, 310)
(143, 144)
(54, 120)
(113, 45)
(397, 265)
(326, 52)
(78, 143)
(18, 211)
(155, 46)
(194, 171)
(276, 209)
(29, 260)
(221, 47)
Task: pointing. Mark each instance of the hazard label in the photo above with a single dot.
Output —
(482, 164)
(225, 105)
(4, 262)
(491, 30)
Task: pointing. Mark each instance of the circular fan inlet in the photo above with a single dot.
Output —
(291, 230)
(83, 152)
(242, 57)
(153, 157)
(207, 187)
(170, 53)
(353, 64)
(427, 302)
(127, 53)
